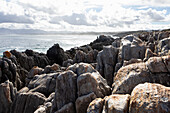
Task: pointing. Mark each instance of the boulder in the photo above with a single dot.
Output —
(163, 47)
(131, 75)
(83, 102)
(131, 47)
(56, 54)
(79, 57)
(27, 102)
(67, 63)
(149, 54)
(68, 108)
(44, 108)
(150, 98)
(34, 71)
(106, 61)
(91, 56)
(44, 83)
(51, 69)
(96, 106)
(7, 95)
(65, 91)
(132, 61)
(81, 68)
(92, 82)
(116, 104)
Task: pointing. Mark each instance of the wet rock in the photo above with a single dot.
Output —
(150, 98)
(56, 54)
(83, 102)
(34, 71)
(96, 106)
(65, 91)
(106, 61)
(44, 83)
(92, 82)
(116, 104)
(68, 108)
(27, 102)
(131, 75)
(81, 68)
(54, 68)
(131, 47)
(7, 95)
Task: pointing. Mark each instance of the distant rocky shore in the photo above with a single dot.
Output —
(129, 74)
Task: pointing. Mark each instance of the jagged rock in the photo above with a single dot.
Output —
(163, 35)
(81, 68)
(67, 63)
(157, 65)
(106, 61)
(44, 83)
(29, 59)
(91, 56)
(101, 41)
(163, 47)
(83, 102)
(132, 61)
(116, 43)
(131, 47)
(68, 108)
(79, 57)
(116, 104)
(96, 106)
(92, 82)
(44, 108)
(27, 102)
(149, 54)
(34, 71)
(150, 98)
(65, 91)
(54, 68)
(56, 54)
(131, 75)
(7, 95)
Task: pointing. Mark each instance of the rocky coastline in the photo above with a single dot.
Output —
(129, 74)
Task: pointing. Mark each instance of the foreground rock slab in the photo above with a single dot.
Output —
(150, 98)
(96, 106)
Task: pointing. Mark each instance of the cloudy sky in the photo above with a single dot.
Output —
(85, 15)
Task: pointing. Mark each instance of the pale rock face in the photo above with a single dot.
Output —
(106, 61)
(27, 102)
(65, 91)
(7, 95)
(44, 108)
(116, 104)
(150, 98)
(96, 106)
(83, 102)
(68, 108)
(155, 70)
(81, 68)
(92, 82)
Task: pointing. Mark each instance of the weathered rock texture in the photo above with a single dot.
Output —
(68, 108)
(92, 82)
(155, 70)
(66, 90)
(116, 104)
(106, 61)
(150, 98)
(27, 102)
(96, 106)
(7, 95)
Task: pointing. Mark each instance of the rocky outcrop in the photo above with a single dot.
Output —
(68, 108)
(29, 59)
(34, 71)
(116, 104)
(52, 69)
(96, 106)
(44, 108)
(163, 47)
(44, 83)
(7, 95)
(83, 102)
(106, 61)
(152, 98)
(66, 90)
(27, 102)
(92, 82)
(56, 54)
(155, 70)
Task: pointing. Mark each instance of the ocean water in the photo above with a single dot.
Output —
(41, 43)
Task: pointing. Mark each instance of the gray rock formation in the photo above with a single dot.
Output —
(96, 106)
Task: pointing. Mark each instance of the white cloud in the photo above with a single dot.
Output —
(84, 15)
